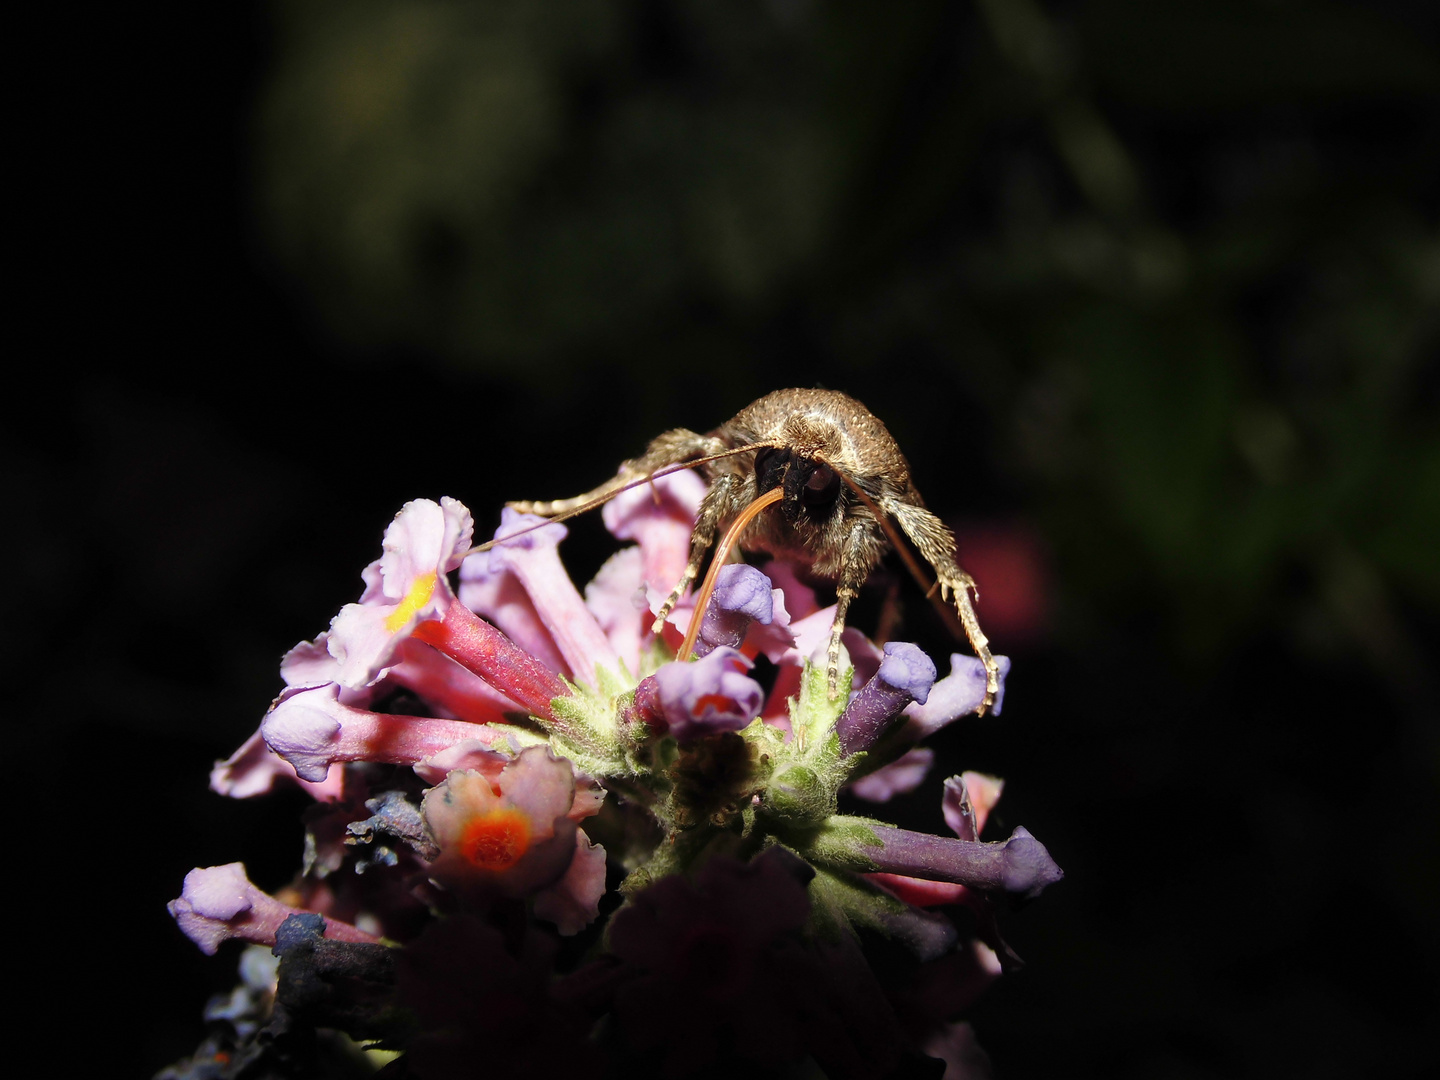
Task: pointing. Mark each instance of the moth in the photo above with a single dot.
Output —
(811, 477)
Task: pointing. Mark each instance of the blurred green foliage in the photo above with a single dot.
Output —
(1183, 257)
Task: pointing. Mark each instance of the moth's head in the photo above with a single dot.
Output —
(812, 489)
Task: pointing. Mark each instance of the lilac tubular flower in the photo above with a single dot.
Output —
(742, 596)
(493, 592)
(709, 964)
(902, 775)
(253, 769)
(219, 903)
(906, 674)
(958, 694)
(712, 694)
(1020, 865)
(311, 729)
(966, 804)
(659, 517)
(616, 597)
(535, 562)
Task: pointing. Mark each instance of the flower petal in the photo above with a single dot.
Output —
(616, 597)
(958, 694)
(423, 544)
(573, 902)
(711, 694)
(904, 774)
(533, 559)
(659, 516)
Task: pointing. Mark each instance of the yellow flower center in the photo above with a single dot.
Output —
(419, 595)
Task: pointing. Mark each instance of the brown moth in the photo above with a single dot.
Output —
(843, 487)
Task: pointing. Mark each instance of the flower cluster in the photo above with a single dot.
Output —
(497, 759)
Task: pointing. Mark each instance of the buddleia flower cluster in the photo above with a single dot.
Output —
(539, 842)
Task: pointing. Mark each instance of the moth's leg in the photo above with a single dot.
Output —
(858, 558)
(719, 502)
(937, 544)
(671, 448)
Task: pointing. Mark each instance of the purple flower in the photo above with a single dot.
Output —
(1020, 865)
(533, 560)
(904, 774)
(742, 596)
(698, 698)
(659, 516)
(958, 694)
(717, 961)
(905, 675)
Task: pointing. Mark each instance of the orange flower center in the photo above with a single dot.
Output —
(718, 702)
(497, 839)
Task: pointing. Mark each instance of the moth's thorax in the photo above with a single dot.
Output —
(818, 437)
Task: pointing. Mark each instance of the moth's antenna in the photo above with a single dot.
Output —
(601, 500)
(898, 542)
(722, 552)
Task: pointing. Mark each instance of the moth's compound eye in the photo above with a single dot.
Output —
(771, 465)
(821, 478)
(822, 487)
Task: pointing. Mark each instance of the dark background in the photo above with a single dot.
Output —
(1147, 292)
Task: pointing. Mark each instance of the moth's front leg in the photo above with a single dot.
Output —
(719, 502)
(937, 544)
(672, 448)
(857, 559)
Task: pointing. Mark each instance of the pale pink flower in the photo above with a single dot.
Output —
(312, 729)
(514, 836)
(219, 903)
(405, 586)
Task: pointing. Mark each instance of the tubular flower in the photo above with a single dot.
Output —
(219, 903)
(469, 747)
(691, 700)
(510, 835)
(527, 553)
(311, 729)
(405, 586)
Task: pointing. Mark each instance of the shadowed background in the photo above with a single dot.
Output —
(1147, 293)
